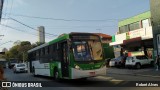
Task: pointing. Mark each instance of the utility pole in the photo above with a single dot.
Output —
(23, 57)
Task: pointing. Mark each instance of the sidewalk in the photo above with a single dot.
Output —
(146, 72)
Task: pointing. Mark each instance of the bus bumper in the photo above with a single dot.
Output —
(76, 73)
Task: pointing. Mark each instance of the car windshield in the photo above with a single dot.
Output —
(119, 58)
(129, 58)
(87, 50)
(21, 65)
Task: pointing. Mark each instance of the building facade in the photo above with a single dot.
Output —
(134, 36)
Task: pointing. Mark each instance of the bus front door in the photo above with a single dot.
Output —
(65, 61)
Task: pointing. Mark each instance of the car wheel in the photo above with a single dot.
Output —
(138, 66)
(115, 64)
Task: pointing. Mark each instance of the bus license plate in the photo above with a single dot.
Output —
(92, 73)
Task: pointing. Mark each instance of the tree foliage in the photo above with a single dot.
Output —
(19, 50)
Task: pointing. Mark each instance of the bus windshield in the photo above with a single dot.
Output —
(87, 50)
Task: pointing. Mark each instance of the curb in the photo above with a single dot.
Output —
(148, 75)
(134, 74)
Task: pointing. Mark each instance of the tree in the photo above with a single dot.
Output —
(23, 48)
(18, 42)
(13, 52)
(36, 44)
(4, 50)
(18, 51)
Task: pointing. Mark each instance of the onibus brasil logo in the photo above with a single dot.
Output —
(20, 84)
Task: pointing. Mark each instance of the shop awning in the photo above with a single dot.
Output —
(133, 40)
(116, 43)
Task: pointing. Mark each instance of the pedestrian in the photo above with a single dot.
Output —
(157, 62)
(1, 73)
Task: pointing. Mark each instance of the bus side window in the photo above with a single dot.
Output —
(37, 55)
(50, 53)
(58, 52)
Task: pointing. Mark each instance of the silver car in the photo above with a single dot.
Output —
(20, 67)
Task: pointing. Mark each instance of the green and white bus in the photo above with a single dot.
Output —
(70, 56)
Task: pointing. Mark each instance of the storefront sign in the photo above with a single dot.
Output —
(136, 33)
(120, 37)
(138, 53)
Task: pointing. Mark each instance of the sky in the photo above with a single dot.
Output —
(64, 16)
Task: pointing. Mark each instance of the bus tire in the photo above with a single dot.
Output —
(56, 75)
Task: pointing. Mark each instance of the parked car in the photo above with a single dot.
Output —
(20, 67)
(118, 62)
(107, 62)
(138, 61)
(112, 63)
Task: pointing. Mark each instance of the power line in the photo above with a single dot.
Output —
(11, 7)
(5, 43)
(30, 26)
(5, 1)
(27, 26)
(6, 10)
(70, 20)
(20, 30)
(69, 27)
(61, 19)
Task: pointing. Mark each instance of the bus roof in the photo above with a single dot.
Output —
(60, 38)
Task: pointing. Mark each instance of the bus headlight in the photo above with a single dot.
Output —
(77, 67)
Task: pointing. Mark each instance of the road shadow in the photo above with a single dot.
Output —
(89, 82)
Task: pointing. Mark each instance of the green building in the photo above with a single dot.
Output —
(135, 35)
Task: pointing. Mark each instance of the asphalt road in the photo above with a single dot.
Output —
(89, 84)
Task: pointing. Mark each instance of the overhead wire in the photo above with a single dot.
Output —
(62, 19)
(9, 11)
(30, 26)
(21, 30)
